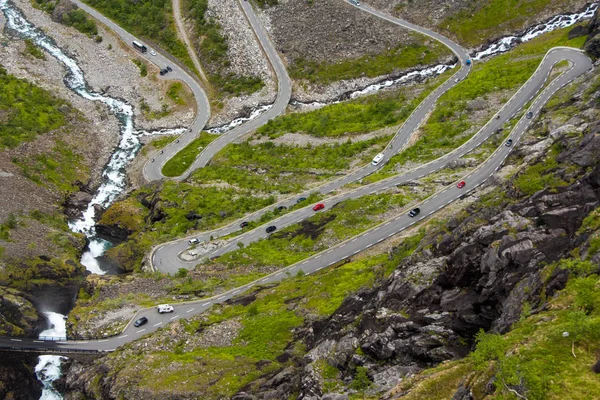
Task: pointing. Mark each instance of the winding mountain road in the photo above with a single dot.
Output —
(536, 85)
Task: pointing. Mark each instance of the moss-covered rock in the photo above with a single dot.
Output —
(19, 315)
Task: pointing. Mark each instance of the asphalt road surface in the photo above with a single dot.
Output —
(339, 253)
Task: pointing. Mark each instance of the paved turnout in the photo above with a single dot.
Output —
(525, 95)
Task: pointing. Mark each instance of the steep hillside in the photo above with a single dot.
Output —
(523, 244)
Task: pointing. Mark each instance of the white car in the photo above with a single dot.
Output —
(164, 308)
(377, 159)
(152, 52)
(193, 241)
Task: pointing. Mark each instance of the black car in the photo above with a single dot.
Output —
(280, 208)
(271, 228)
(163, 71)
(414, 212)
(508, 143)
(244, 224)
(168, 69)
(301, 199)
(140, 322)
(529, 115)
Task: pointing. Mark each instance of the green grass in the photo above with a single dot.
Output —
(400, 57)
(60, 167)
(489, 19)
(184, 159)
(174, 93)
(449, 125)
(26, 111)
(319, 232)
(361, 115)
(152, 20)
(540, 176)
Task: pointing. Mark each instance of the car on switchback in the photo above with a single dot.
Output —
(271, 228)
(193, 241)
(529, 115)
(140, 322)
(414, 212)
(244, 224)
(508, 143)
(461, 184)
(318, 206)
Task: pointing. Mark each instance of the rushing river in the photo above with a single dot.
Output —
(114, 178)
(48, 368)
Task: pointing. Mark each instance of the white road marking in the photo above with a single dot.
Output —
(315, 258)
(190, 310)
(140, 331)
(175, 317)
(102, 341)
(160, 323)
(343, 245)
(121, 337)
(16, 340)
(38, 341)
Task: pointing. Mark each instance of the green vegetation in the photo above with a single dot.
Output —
(540, 175)
(26, 111)
(5, 227)
(361, 115)
(184, 159)
(174, 93)
(33, 50)
(401, 57)
(80, 20)
(60, 167)
(450, 124)
(152, 20)
(142, 66)
(213, 51)
(492, 18)
(319, 232)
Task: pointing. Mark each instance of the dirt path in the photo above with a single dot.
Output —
(183, 36)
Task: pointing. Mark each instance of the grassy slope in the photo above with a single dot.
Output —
(489, 19)
(398, 58)
(26, 111)
(448, 127)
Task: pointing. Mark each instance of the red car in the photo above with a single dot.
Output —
(318, 207)
(461, 184)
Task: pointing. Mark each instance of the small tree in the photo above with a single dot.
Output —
(361, 381)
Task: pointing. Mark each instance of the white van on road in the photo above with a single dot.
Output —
(377, 159)
(164, 308)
